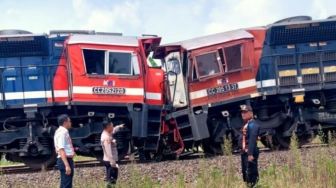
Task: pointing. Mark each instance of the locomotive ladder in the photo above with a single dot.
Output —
(184, 127)
(153, 131)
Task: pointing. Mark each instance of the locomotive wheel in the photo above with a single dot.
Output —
(98, 155)
(124, 142)
(284, 142)
(13, 157)
(40, 162)
(267, 142)
(281, 142)
(212, 148)
(213, 144)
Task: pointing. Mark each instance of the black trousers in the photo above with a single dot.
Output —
(250, 168)
(66, 180)
(111, 173)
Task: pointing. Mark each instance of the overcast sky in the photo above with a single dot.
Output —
(174, 20)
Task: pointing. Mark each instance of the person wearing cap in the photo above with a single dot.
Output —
(109, 146)
(249, 148)
(65, 151)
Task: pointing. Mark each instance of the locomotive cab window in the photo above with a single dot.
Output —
(94, 61)
(102, 62)
(173, 65)
(233, 58)
(120, 63)
(207, 64)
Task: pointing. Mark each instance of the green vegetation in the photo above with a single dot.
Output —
(293, 173)
(4, 162)
(83, 158)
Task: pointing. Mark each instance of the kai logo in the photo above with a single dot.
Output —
(222, 81)
(109, 83)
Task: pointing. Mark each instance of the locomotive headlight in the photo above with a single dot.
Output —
(225, 113)
(90, 114)
(137, 107)
(197, 112)
(299, 98)
(111, 115)
(316, 101)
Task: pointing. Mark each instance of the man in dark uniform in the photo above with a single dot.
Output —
(250, 150)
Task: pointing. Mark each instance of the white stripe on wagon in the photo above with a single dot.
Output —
(246, 83)
(266, 83)
(153, 96)
(76, 90)
(34, 94)
(129, 91)
(203, 92)
(88, 90)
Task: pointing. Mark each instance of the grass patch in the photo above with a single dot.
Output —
(4, 162)
(294, 173)
(82, 158)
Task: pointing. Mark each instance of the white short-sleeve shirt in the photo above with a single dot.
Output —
(62, 140)
(109, 148)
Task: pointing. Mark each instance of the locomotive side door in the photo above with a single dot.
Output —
(177, 89)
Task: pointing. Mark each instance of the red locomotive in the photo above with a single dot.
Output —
(90, 76)
(285, 71)
(209, 77)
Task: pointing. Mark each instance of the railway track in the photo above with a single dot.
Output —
(21, 169)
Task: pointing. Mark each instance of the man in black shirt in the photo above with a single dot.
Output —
(250, 150)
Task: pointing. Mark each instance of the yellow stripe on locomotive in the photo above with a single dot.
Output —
(286, 73)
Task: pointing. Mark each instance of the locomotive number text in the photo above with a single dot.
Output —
(108, 91)
(222, 89)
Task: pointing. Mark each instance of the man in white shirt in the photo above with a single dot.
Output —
(109, 146)
(65, 151)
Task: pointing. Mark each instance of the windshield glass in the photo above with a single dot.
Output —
(173, 65)
(120, 63)
(207, 64)
(154, 63)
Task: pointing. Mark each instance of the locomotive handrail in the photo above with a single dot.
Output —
(131, 77)
(175, 84)
(4, 123)
(2, 68)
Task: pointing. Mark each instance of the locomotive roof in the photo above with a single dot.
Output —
(213, 39)
(104, 39)
(21, 35)
(302, 22)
